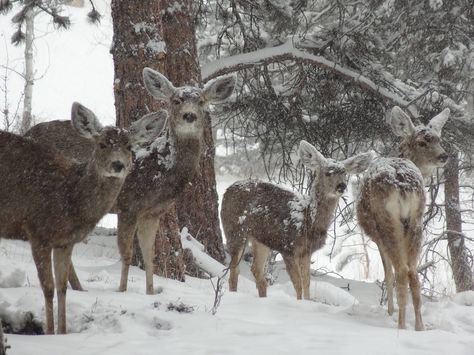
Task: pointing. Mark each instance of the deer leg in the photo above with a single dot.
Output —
(42, 258)
(125, 233)
(146, 232)
(236, 255)
(401, 274)
(388, 270)
(260, 256)
(293, 270)
(416, 297)
(305, 267)
(62, 264)
(73, 279)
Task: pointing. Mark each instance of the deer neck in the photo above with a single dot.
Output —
(321, 211)
(187, 149)
(426, 170)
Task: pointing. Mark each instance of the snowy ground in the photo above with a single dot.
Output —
(103, 321)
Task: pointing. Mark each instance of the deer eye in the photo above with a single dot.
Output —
(129, 147)
(422, 144)
(102, 145)
(201, 102)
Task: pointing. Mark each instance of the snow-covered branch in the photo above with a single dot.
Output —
(288, 51)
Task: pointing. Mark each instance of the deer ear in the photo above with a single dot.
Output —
(148, 127)
(437, 122)
(84, 121)
(219, 89)
(400, 122)
(310, 156)
(358, 163)
(157, 84)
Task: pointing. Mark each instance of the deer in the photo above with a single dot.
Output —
(162, 168)
(54, 202)
(391, 204)
(271, 217)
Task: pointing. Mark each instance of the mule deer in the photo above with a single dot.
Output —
(53, 201)
(392, 201)
(161, 169)
(273, 218)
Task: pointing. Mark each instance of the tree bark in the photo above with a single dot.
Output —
(138, 43)
(197, 207)
(26, 119)
(462, 273)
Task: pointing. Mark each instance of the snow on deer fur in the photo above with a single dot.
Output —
(392, 201)
(273, 218)
(54, 202)
(162, 167)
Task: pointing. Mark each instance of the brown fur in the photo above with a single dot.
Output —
(54, 202)
(159, 176)
(273, 218)
(390, 209)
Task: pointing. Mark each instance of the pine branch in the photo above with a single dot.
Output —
(5, 6)
(94, 16)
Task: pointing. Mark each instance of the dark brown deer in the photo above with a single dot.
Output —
(54, 202)
(273, 218)
(392, 201)
(161, 169)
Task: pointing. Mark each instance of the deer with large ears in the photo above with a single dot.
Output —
(54, 202)
(273, 218)
(161, 169)
(392, 201)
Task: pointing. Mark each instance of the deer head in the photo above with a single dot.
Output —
(331, 175)
(187, 104)
(421, 144)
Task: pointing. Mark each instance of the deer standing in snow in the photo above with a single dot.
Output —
(273, 218)
(54, 202)
(161, 170)
(392, 201)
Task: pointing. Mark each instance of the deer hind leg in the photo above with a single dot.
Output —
(293, 270)
(146, 232)
(62, 263)
(236, 252)
(416, 297)
(305, 267)
(260, 256)
(74, 280)
(389, 278)
(125, 232)
(401, 275)
(42, 258)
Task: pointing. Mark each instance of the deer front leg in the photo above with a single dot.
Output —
(305, 267)
(125, 232)
(293, 270)
(62, 264)
(260, 256)
(146, 232)
(42, 258)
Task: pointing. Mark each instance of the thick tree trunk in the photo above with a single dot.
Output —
(138, 43)
(463, 276)
(3, 349)
(197, 207)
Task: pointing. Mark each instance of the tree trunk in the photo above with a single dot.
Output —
(197, 207)
(462, 272)
(26, 120)
(138, 43)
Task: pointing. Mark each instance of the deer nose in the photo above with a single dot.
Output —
(117, 166)
(443, 158)
(190, 117)
(341, 187)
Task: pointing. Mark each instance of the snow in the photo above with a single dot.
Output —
(336, 321)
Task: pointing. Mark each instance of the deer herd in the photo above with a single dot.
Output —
(60, 178)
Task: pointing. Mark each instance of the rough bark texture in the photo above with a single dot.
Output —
(3, 350)
(137, 43)
(197, 207)
(463, 276)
